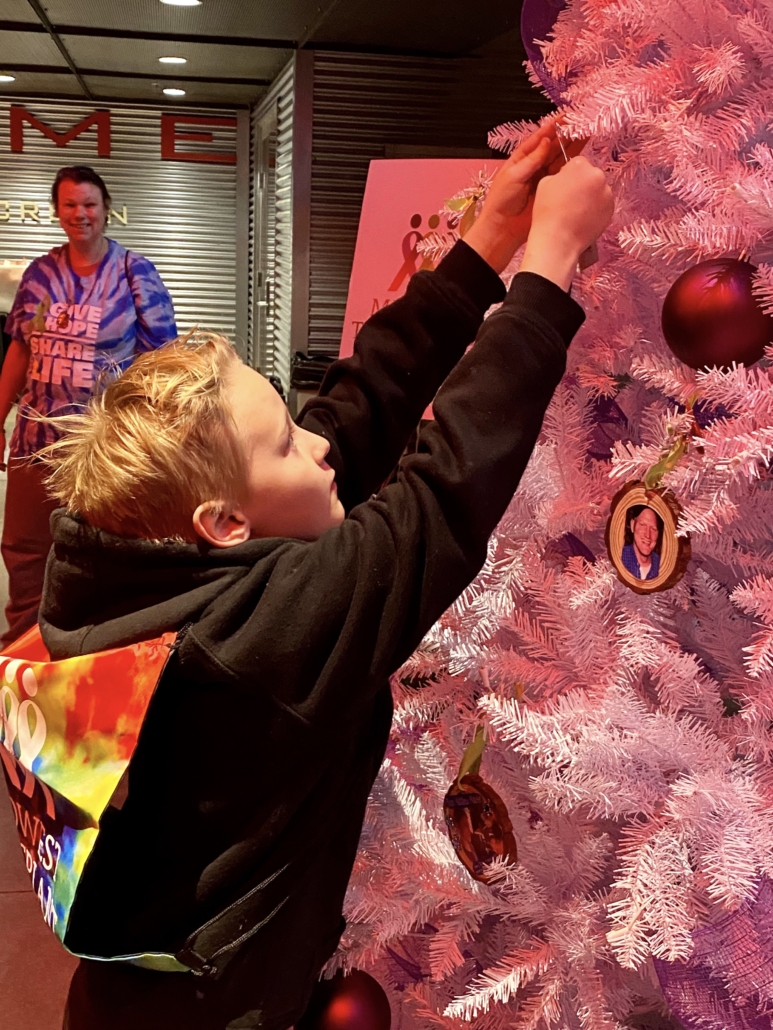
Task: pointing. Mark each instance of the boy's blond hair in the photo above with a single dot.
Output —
(156, 443)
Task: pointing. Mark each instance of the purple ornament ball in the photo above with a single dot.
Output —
(710, 316)
(352, 1002)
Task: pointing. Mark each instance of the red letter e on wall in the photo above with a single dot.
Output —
(170, 138)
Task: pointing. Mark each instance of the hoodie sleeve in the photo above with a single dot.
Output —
(334, 618)
(369, 404)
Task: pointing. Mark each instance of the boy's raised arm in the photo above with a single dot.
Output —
(369, 404)
(353, 605)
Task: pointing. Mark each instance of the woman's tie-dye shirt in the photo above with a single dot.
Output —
(75, 327)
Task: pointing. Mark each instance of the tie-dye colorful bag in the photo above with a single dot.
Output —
(68, 730)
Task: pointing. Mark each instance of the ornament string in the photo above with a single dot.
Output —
(672, 455)
(591, 254)
(473, 754)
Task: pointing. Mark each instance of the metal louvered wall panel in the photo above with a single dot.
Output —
(361, 103)
(272, 238)
(182, 215)
(260, 348)
(368, 106)
(254, 216)
(282, 284)
(269, 245)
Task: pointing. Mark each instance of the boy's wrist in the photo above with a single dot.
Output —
(552, 255)
(494, 242)
(474, 275)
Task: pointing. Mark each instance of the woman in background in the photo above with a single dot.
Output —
(87, 306)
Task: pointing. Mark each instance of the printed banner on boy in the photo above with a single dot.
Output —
(68, 730)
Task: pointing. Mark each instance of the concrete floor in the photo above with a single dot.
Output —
(35, 970)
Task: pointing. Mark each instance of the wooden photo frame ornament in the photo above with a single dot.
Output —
(476, 816)
(478, 825)
(675, 550)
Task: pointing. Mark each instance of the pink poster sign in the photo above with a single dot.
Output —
(402, 203)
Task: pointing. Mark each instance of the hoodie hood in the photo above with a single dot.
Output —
(106, 591)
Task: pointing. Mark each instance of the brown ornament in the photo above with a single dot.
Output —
(711, 317)
(641, 538)
(478, 825)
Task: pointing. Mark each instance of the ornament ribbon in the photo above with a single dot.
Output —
(670, 458)
(473, 754)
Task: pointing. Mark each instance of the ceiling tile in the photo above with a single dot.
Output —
(28, 48)
(47, 85)
(17, 10)
(196, 92)
(141, 56)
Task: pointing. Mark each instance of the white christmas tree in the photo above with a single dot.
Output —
(629, 735)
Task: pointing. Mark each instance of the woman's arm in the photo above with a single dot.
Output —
(12, 380)
(152, 304)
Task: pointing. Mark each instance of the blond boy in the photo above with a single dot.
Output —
(297, 586)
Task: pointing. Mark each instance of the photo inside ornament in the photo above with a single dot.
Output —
(478, 825)
(641, 539)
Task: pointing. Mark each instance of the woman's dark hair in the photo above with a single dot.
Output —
(79, 174)
(633, 513)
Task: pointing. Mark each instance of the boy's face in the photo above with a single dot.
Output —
(291, 489)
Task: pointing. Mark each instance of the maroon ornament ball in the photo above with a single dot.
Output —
(352, 1002)
(710, 316)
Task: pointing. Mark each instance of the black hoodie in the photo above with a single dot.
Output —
(268, 727)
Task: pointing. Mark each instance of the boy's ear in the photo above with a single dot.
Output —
(221, 524)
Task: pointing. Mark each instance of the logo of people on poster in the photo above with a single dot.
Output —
(403, 203)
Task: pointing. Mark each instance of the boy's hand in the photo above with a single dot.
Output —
(503, 224)
(571, 210)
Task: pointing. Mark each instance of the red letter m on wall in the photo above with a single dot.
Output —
(20, 115)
